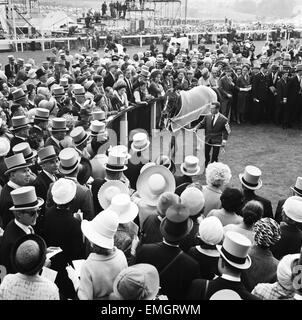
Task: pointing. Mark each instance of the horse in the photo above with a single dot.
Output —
(181, 108)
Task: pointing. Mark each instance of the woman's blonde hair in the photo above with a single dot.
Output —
(218, 174)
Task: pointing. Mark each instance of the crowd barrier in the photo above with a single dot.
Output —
(73, 43)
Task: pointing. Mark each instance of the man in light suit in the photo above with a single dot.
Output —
(217, 131)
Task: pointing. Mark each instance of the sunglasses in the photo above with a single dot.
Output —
(32, 213)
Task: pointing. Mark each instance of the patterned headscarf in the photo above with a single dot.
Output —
(267, 232)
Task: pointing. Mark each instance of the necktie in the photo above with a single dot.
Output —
(31, 229)
(212, 123)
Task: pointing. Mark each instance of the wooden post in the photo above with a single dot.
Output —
(123, 138)
(140, 41)
(43, 45)
(22, 46)
(16, 45)
(153, 118)
(68, 44)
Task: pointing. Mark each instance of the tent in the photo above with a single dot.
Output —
(54, 20)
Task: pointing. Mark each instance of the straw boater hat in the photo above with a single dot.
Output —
(69, 160)
(19, 122)
(15, 162)
(50, 81)
(154, 181)
(42, 114)
(108, 190)
(26, 150)
(79, 90)
(101, 230)
(251, 178)
(29, 254)
(176, 224)
(235, 249)
(32, 74)
(190, 167)
(79, 135)
(4, 146)
(140, 142)
(64, 83)
(99, 115)
(58, 125)
(63, 191)
(46, 154)
(297, 188)
(122, 205)
(25, 198)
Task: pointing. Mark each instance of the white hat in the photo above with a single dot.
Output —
(116, 160)
(193, 199)
(108, 190)
(32, 74)
(284, 270)
(225, 294)
(293, 208)
(63, 191)
(69, 160)
(25, 198)
(251, 178)
(147, 165)
(190, 167)
(140, 142)
(211, 230)
(122, 205)
(101, 229)
(154, 181)
(4, 146)
(297, 188)
(235, 249)
(120, 149)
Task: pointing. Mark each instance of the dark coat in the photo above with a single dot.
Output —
(260, 89)
(216, 134)
(198, 290)
(129, 90)
(290, 242)
(267, 205)
(10, 71)
(6, 202)
(11, 234)
(109, 80)
(176, 279)
(278, 213)
(150, 232)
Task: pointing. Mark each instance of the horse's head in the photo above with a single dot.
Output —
(172, 105)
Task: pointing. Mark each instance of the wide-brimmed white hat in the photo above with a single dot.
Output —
(154, 181)
(25, 198)
(108, 190)
(292, 207)
(122, 205)
(140, 142)
(235, 249)
(251, 178)
(4, 146)
(101, 229)
(63, 191)
(297, 188)
(190, 167)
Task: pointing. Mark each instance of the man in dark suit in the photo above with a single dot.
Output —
(281, 98)
(217, 131)
(273, 77)
(226, 90)
(294, 98)
(297, 191)
(250, 182)
(110, 79)
(233, 260)
(19, 175)
(20, 129)
(69, 168)
(49, 163)
(260, 92)
(58, 133)
(11, 69)
(129, 86)
(176, 269)
(25, 213)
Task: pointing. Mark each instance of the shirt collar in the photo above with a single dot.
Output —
(13, 185)
(230, 278)
(50, 176)
(26, 229)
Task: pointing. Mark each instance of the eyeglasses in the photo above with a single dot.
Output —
(32, 213)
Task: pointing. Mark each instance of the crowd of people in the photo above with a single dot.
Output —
(84, 218)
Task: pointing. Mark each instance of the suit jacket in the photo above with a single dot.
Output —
(6, 202)
(281, 87)
(11, 234)
(215, 135)
(109, 80)
(82, 200)
(260, 87)
(293, 89)
(225, 87)
(9, 72)
(278, 213)
(50, 142)
(129, 90)
(267, 205)
(198, 289)
(176, 279)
